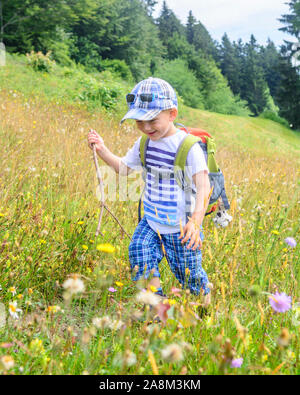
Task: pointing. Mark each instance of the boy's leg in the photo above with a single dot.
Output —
(145, 253)
(186, 264)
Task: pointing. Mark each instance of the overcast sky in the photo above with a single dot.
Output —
(238, 18)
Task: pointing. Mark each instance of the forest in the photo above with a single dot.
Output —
(123, 36)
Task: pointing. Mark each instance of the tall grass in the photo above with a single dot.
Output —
(48, 216)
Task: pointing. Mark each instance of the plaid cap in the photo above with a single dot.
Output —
(165, 99)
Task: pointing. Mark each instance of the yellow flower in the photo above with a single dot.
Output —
(106, 248)
(85, 247)
(80, 222)
(30, 291)
(20, 296)
(53, 309)
(36, 346)
(187, 271)
(275, 232)
(12, 290)
(153, 288)
(119, 284)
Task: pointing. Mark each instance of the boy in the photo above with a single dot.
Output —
(165, 229)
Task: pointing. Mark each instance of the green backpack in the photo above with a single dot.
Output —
(216, 177)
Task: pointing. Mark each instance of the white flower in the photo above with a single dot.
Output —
(13, 310)
(7, 362)
(101, 323)
(148, 297)
(74, 285)
(116, 325)
(129, 358)
(107, 322)
(172, 353)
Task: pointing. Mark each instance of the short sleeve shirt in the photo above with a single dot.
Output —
(164, 201)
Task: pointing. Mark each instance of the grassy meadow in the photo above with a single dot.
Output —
(48, 217)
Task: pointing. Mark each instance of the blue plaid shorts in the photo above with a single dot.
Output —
(145, 253)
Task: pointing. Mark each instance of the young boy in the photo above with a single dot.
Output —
(165, 229)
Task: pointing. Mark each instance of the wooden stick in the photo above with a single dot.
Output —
(102, 204)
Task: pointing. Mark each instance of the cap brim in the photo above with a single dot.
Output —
(139, 114)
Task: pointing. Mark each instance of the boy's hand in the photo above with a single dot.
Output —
(192, 231)
(93, 137)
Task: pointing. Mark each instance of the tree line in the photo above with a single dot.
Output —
(124, 37)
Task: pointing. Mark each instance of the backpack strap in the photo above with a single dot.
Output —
(181, 155)
(211, 161)
(143, 149)
(179, 167)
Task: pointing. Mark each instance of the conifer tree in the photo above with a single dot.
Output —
(230, 64)
(254, 87)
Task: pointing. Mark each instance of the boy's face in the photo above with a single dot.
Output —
(160, 126)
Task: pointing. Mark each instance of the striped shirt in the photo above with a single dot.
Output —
(164, 201)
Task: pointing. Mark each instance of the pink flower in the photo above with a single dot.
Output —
(237, 362)
(112, 289)
(291, 242)
(280, 302)
(176, 291)
(162, 311)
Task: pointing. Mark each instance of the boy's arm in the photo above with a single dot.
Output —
(105, 154)
(202, 183)
(114, 161)
(192, 228)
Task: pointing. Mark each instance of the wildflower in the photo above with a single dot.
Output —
(147, 297)
(53, 309)
(237, 362)
(13, 310)
(291, 242)
(284, 338)
(172, 353)
(12, 290)
(153, 288)
(7, 362)
(129, 358)
(101, 323)
(275, 232)
(119, 284)
(112, 289)
(30, 291)
(106, 248)
(36, 346)
(74, 285)
(280, 302)
(162, 311)
(85, 247)
(176, 291)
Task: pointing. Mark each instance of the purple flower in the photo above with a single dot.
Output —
(112, 289)
(237, 362)
(280, 302)
(291, 242)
